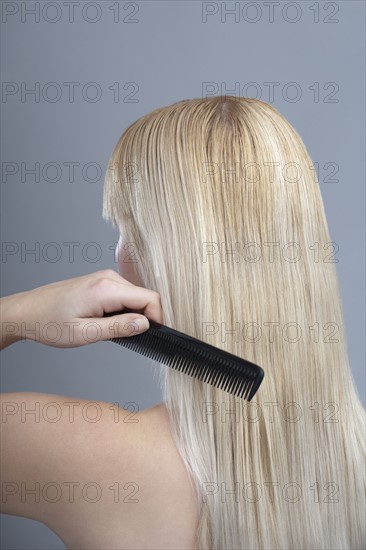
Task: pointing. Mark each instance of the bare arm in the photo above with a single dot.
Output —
(70, 313)
(58, 455)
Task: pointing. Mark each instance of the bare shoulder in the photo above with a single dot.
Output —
(98, 475)
(148, 498)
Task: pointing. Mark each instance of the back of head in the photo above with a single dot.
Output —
(221, 198)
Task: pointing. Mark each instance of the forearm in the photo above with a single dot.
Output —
(11, 315)
(72, 307)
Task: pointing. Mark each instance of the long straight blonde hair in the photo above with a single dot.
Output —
(222, 203)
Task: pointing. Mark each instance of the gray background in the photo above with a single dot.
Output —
(168, 52)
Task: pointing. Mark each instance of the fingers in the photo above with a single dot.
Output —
(128, 324)
(111, 274)
(115, 296)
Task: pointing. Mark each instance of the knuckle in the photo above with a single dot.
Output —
(156, 295)
(108, 272)
(101, 283)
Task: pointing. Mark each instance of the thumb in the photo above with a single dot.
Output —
(119, 326)
(127, 324)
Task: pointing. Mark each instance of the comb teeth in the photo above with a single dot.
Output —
(197, 359)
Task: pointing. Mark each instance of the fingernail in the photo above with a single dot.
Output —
(142, 324)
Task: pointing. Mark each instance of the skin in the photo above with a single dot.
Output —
(146, 498)
(125, 261)
(76, 304)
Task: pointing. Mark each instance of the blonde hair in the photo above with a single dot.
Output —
(220, 197)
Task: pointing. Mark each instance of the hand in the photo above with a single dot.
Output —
(69, 313)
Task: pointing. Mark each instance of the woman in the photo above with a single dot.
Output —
(226, 220)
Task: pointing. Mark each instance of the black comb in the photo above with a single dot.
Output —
(196, 358)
